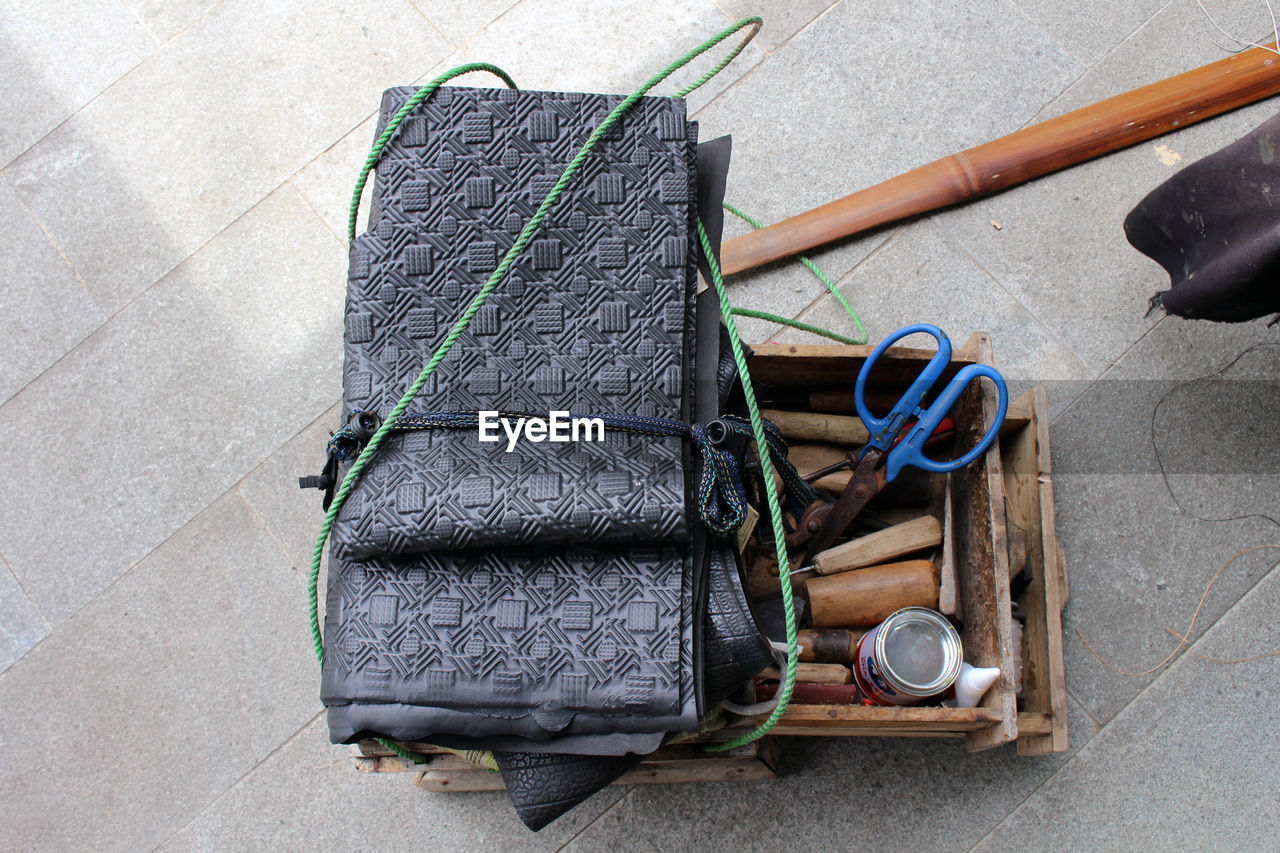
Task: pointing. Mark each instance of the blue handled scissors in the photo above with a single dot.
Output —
(888, 444)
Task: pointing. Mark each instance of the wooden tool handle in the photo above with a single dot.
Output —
(815, 673)
(881, 546)
(865, 597)
(808, 426)
(828, 645)
(1038, 150)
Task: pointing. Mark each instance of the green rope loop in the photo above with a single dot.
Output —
(796, 324)
(860, 338)
(752, 24)
(392, 126)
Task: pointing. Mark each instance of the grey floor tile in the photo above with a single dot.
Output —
(1178, 38)
(1090, 28)
(539, 56)
(782, 20)
(838, 794)
(21, 627)
(43, 306)
(162, 693)
(308, 797)
(55, 57)
(1061, 247)
(328, 181)
(209, 124)
(923, 277)
(1190, 765)
(459, 20)
(164, 19)
(292, 515)
(1141, 543)
(171, 402)
(531, 43)
(845, 105)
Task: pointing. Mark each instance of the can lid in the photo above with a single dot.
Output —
(919, 651)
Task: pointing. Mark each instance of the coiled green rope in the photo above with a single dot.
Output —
(752, 24)
(861, 337)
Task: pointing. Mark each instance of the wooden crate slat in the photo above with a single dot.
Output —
(1029, 486)
(983, 571)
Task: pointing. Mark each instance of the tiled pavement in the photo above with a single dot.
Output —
(173, 195)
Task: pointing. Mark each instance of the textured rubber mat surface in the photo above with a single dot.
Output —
(593, 317)
(583, 641)
(442, 618)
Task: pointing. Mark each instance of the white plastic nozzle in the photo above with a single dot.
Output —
(972, 682)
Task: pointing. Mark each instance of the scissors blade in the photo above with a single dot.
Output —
(864, 485)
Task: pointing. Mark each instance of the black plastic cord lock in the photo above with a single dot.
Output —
(363, 425)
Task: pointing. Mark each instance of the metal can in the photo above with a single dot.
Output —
(912, 655)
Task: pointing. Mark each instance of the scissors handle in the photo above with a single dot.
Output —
(884, 430)
(910, 451)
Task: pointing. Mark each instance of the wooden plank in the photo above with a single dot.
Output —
(948, 585)
(883, 546)
(1029, 485)
(982, 555)
(824, 719)
(1031, 723)
(818, 365)
(811, 426)
(667, 767)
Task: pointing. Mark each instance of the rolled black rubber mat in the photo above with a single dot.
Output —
(455, 605)
(553, 602)
(594, 317)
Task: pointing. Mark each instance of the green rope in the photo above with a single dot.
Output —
(860, 338)
(771, 495)
(796, 324)
(753, 24)
(393, 125)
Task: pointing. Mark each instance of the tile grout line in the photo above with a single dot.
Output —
(1098, 727)
(163, 277)
(142, 559)
(159, 46)
(23, 589)
(764, 58)
(290, 739)
(341, 240)
(964, 249)
(806, 27)
(262, 522)
(1097, 63)
(430, 23)
(1097, 735)
(54, 243)
(630, 790)
(1204, 631)
(1103, 375)
(1035, 789)
(847, 278)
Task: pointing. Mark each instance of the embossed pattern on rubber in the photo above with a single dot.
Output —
(594, 317)
(587, 640)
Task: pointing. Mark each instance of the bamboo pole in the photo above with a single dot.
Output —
(1076, 137)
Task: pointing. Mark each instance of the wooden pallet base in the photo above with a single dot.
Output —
(670, 765)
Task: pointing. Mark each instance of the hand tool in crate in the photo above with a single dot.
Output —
(853, 585)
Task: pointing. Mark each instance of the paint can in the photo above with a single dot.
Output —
(910, 656)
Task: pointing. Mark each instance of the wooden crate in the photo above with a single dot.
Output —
(1005, 498)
